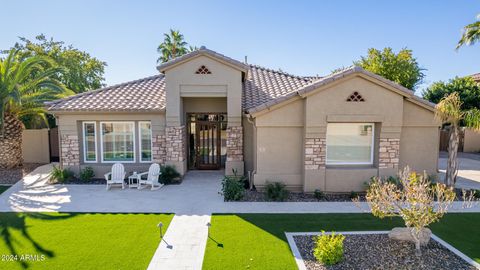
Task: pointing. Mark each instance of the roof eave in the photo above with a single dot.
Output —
(206, 52)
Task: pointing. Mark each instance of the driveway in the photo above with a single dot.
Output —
(469, 169)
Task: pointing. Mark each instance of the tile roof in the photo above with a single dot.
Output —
(262, 88)
(263, 85)
(312, 85)
(148, 94)
(143, 95)
(476, 77)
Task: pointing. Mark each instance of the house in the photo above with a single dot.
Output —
(208, 111)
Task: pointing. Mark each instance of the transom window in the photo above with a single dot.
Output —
(118, 141)
(350, 143)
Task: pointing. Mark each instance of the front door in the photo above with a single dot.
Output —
(207, 145)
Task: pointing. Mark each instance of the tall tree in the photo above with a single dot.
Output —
(401, 68)
(449, 111)
(81, 72)
(173, 45)
(24, 85)
(470, 34)
(467, 89)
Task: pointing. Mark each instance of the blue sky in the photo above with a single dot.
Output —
(300, 37)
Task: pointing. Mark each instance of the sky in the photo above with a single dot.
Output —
(299, 37)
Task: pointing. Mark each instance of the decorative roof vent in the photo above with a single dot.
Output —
(203, 70)
(355, 97)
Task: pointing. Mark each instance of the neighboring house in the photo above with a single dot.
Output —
(207, 111)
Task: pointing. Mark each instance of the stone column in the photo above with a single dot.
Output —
(70, 152)
(388, 156)
(234, 150)
(175, 143)
(158, 148)
(314, 161)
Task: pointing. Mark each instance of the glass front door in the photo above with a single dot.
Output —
(207, 141)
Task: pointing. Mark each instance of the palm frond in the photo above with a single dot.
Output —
(448, 110)
(472, 119)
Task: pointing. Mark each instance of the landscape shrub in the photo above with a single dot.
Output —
(329, 248)
(59, 175)
(275, 191)
(87, 174)
(233, 188)
(168, 174)
(318, 194)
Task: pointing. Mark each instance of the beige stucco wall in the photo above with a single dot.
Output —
(35, 146)
(224, 81)
(471, 141)
(282, 129)
(279, 146)
(420, 139)
(71, 124)
(201, 104)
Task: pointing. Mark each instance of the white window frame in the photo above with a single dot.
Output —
(85, 144)
(134, 141)
(140, 142)
(352, 163)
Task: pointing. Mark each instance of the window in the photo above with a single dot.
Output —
(350, 143)
(89, 142)
(145, 133)
(203, 70)
(118, 141)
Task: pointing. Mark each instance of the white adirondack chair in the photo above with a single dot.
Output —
(152, 177)
(116, 176)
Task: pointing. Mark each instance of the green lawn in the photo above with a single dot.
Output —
(257, 241)
(3, 188)
(80, 240)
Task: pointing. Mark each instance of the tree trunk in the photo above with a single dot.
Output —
(452, 163)
(11, 142)
(416, 237)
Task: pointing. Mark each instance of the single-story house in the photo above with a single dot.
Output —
(208, 111)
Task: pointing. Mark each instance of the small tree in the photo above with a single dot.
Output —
(414, 198)
(400, 67)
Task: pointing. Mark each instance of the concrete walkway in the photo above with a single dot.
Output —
(468, 172)
(184, 244)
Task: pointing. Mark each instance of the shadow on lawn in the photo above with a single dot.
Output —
(10, 222)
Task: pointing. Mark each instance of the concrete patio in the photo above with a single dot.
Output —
(198, 195)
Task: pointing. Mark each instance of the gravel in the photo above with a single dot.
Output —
(12, 176)
(377, 251)
(257, 196)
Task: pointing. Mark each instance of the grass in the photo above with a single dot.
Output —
(79, 240)
(3, 188)
(257, 241)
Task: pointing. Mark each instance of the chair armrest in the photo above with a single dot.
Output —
(142, 174)
(107, 175)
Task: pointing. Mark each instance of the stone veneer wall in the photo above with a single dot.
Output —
(159, 148)
(389, 153)
(70, 155)
(315, 153)
(175, 138)
(235, 143)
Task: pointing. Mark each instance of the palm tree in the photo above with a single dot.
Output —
(174, 45)
(449, 111)
(470, 35)
(24, 86)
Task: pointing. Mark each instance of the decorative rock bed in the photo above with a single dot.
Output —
(375, 250)
(258, 196)
(12, 176)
